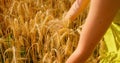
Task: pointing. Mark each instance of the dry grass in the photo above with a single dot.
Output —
(31, 31)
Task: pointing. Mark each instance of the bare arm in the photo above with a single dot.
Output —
(76, 9)
(98, 20)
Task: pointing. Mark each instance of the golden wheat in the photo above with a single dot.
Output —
(31, 31)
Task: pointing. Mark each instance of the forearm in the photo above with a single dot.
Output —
(76, 9)
(99, 18)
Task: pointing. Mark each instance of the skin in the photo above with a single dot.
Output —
(77, 7)
(99, 18)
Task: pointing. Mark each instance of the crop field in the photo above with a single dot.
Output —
(32, 31)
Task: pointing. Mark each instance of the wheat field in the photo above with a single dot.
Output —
(32, 31)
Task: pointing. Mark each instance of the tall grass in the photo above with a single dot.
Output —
(31, 31)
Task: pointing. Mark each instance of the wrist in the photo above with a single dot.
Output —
(76, 57)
